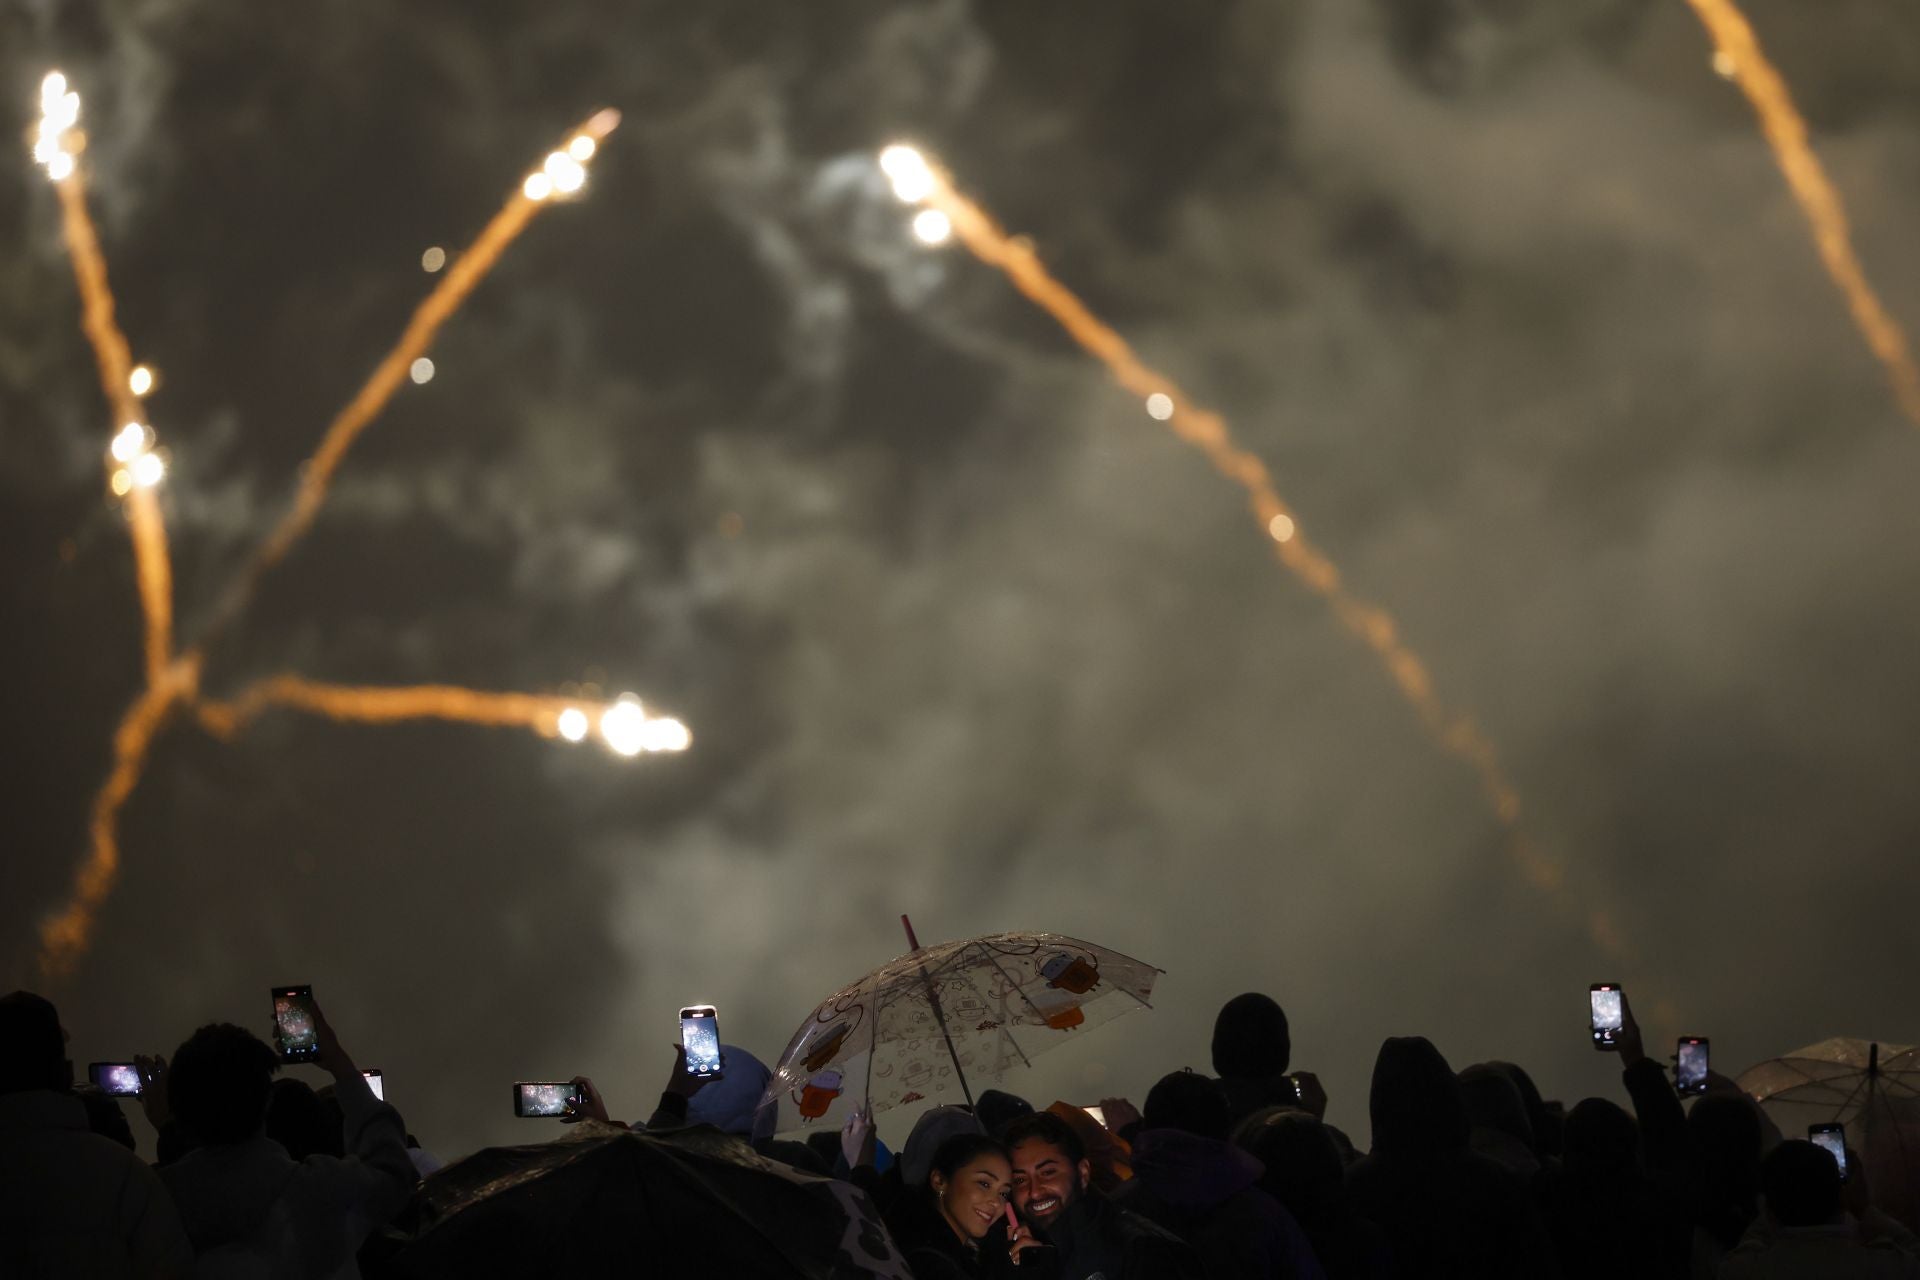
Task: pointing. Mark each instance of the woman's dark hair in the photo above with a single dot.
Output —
(961, 1150)
(218, 1082)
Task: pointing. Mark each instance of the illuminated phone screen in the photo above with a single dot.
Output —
(121, 1079)
(1690, 1066)
(1834, 1139)
(375, 1082)
(294, 1025)
(543, 1099)
(1608, 1015)
(701, 1036)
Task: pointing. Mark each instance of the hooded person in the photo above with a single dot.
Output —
(1189, 1179)
(1305, 1171)
(1447, 1211)
(1501, 1129)
(1252, 1049)
(72, 1203)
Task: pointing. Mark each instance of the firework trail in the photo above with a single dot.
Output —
(152, 562)
(173, 683)
(623, 723)
(64, 938)
(946, 212)
(1737, 54)
(562, 175)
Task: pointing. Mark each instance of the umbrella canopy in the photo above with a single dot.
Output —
(603, 1201)
(903, 1033)
(1873, 1089)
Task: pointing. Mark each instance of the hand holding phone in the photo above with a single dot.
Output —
(1690, 1066)
(1606, 1015)
(700, 1038)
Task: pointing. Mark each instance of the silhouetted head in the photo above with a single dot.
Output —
(104, 1115)
(1802, 1184)
(998, 1109)
(1189, 1102)
(1494, 1102)
(1415, 1102)
(33, 1048)
(301, 1121)
(1603, 1141)
(1250, 1039)
(1303, 1167)
(1544, 1117)
(218, 1083)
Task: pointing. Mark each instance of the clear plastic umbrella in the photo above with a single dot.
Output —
(920, 1027)
(1873, 1089)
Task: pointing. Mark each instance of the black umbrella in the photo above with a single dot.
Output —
(603, 1201)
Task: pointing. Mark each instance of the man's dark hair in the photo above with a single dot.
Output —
(218, 1083)
(1189, 1102)
(1250, 1038)
(998, 1109)
(1802, 1184)
(1044, 1126)
(33, 1049)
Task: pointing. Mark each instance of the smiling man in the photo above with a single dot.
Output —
(1096, 1239)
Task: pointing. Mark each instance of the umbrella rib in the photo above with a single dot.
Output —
(1017, 987)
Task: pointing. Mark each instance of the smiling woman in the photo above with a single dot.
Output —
(956, 1226)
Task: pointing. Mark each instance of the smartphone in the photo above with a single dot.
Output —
(551, 1098)
(1690, 1065)
(376, 1082)
(121, 1079)
(700, 1037)
(1099, 1116)
(295, 1028)
(1834, 1138)
(1608, 1016)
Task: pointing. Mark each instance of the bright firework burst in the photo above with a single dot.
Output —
(137, 467)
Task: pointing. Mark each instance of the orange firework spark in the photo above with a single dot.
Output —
(173, 683)
(1737, 53)
(948, 212)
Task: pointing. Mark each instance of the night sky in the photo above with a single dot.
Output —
(1508, 293)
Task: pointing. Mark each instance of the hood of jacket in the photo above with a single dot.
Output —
(225, 1193)
(1416, 1104)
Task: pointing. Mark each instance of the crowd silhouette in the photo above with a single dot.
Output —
(1233, 1175)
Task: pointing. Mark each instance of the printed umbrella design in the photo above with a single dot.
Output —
(915, 1029)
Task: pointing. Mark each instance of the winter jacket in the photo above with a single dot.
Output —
(250, 1209)
(1834, 1252)
(1095, 1239)
(73, 1203)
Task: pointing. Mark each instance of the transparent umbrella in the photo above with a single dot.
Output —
(1872, 1088)
(920, 1027)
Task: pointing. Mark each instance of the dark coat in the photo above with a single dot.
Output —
(1205, 1192)
(1446, 1211)
(1095, 1237)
